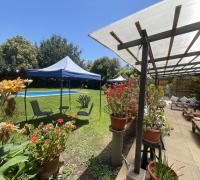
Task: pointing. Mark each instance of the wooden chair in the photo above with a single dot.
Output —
(86, 113)
(37, 111)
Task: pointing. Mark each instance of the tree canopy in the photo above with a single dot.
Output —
(54, 49)
(19, 54)
(107, 67)
(2, 63)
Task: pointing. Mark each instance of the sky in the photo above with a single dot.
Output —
(37, 20)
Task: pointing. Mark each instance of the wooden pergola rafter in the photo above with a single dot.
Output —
(174, 26)
(121, 42)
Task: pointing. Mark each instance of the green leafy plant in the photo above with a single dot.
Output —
(14, 162)
(84, 100)
(163, 171)
(154, 118)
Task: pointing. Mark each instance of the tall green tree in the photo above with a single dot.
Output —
(128, 72)
(55, 48)
(2, 62)
(107, 67)
(19, 54)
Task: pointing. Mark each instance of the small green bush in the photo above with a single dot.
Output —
(84, 100)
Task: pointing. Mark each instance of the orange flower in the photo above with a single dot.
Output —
(9, 127)
(34, 139)
(60, 120)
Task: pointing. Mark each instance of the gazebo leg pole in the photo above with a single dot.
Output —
(100, 101)
(69, 95)
(25, 102)
(61, 92)
(139, 122)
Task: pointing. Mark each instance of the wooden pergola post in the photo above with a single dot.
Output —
(139, 122)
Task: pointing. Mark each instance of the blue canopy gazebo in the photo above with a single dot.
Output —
(65, 69)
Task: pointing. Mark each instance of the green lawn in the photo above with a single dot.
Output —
(85, 143)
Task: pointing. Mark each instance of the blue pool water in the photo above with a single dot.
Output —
(45, 93)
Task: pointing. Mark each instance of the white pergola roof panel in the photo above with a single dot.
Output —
(155, 19)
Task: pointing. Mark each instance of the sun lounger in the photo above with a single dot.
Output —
(36, 110)
(195, 124)
(189, 113)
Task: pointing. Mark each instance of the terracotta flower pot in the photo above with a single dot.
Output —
(151, 135)
(118, 123)
(49, 168)
(151, 169)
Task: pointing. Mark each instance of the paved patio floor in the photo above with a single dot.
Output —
(183, 146)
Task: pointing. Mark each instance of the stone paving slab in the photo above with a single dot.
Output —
(183, 146)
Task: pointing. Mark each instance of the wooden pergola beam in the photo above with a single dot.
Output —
(189, 54)
(180, 73)
(179, 65)
(163, 35)
(174, 74)
(138, 26)
(176, 70)
(120, 42)
(188, 48)
(190, 62)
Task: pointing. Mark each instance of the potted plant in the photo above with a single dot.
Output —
(48, 142)
(118, 103)
(154, 124)
(160, 170)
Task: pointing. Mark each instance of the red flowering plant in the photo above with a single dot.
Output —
(48, 141)
(118, 98)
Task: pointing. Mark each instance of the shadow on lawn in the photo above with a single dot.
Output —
(99, 167)
(53, 118)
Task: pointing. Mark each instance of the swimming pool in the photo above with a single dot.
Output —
(45, 93)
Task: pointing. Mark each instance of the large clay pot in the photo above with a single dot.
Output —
(151, 135)
(49, 168)
(151, 169)
(118, 123)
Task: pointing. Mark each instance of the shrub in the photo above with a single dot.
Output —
(84, 100)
